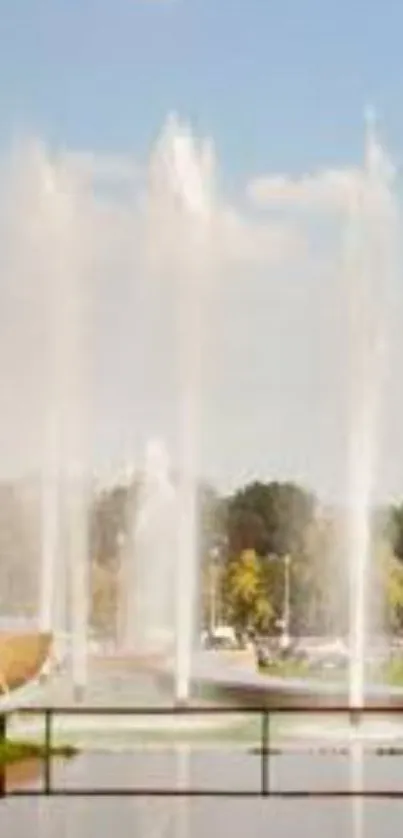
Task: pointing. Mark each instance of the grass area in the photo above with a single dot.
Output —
(18, 750)
(240, 727)
(247, 733)
(392, 672)
(290, 668)
(389, 673)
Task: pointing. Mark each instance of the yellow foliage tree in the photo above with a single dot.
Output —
(392, 585)
(246, 595)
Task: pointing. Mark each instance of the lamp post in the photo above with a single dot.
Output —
(121, 592)
(285, 622)
(213, 574)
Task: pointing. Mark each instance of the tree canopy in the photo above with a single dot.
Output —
(270, 518)
(394, 529)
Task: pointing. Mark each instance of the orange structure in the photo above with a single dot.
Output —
(22, 656)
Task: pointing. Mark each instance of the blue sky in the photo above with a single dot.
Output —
(282, 82)
(280, 87)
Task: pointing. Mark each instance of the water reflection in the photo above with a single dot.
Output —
(169, 817)
(357, 785)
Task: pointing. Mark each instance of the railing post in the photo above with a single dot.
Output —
(356, 716)
(3, 768)
(265, 754)
(47, 779)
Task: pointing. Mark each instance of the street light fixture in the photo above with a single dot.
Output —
(285, 638)
(213, 610)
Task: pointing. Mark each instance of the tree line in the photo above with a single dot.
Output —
(245, 540)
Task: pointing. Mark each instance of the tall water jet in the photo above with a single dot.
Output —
(64, 582)
(77, 510)
(148, 578)
(370, 268)
(181, 180)
(76, 478)
(52, 612)
(36, 238)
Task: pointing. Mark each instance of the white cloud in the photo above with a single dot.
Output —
(245, 241)
(329, 188)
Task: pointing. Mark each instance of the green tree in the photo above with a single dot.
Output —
(108, 519)
(20, 547)
(103, 614)
(276, 520)
(394, 530)
(319, 589)
(270, 518)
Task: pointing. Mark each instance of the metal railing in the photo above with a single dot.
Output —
(263, 788)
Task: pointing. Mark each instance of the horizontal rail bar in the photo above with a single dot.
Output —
(220, 793)
(136, 792)
(192, 710)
